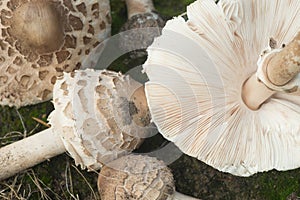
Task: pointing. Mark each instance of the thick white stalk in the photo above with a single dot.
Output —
(25, 153)
(135, 7)
(180, 196)
(285, 65)
(255, 93)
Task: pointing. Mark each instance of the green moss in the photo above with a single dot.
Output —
(118, 14)
(278, 185)
(171, 8)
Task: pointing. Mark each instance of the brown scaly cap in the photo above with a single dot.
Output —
(99, 116)
(136, 177)
(40, 39)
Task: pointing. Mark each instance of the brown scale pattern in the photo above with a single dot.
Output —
(89, 108)
(136, 177)
(27, 73)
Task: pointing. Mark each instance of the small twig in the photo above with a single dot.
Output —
(41, 122)
(34, 129)
(38, 183)
(10, 136)
(22, 122)
(69, 175)
(89, 185)
(183, 14)
(12, 191)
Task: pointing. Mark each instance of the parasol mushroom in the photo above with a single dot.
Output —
(145, 24)
(203, 90)
(138, 177)
(39, 40)
(97, 118)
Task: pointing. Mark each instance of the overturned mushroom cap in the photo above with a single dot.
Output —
(40, 39)
(136, 177)
(98, 116)
(197, 69)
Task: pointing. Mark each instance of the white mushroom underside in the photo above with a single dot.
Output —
(196, 71)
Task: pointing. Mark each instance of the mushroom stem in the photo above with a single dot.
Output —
(180, 196)
(135, 7)
(28, 152)
(255, 93)
(278, 70)
(285, 65)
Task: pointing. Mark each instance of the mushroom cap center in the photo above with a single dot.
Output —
(38, 25)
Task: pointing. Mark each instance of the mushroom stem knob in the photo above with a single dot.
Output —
(39, 24)
(138, 177)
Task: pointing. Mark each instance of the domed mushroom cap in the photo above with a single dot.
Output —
(197, 69)
(98, 116)
(136, 177)
(40, 39)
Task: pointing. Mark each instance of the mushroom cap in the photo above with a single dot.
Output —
(136, 177)
(96, 116)
(196, 71)
(40, 39)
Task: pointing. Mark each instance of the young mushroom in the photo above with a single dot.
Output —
(138, 177)
(97, 118)
(204, 93)
(39, 40)
(145, 24)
